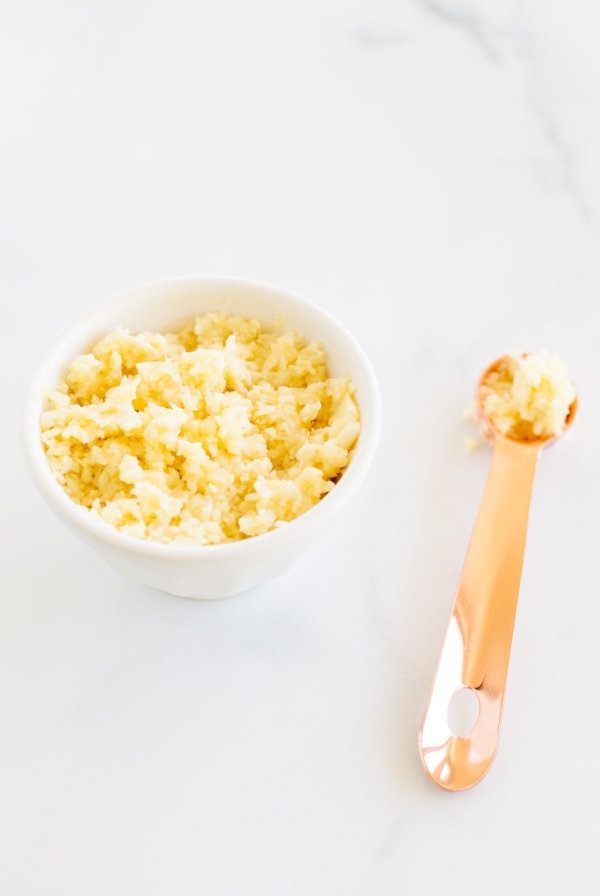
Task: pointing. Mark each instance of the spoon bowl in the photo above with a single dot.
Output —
(487, 428)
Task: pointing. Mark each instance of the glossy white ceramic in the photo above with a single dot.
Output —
(219, 570)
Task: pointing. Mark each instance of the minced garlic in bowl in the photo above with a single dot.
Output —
(221, 431)
(529, 396)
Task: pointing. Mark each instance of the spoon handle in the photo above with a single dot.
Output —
(476, 647)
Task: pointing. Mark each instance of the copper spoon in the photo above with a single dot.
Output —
(476, 647)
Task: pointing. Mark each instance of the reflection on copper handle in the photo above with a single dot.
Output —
(477, 642)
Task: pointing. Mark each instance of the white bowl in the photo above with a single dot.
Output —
(210, 570)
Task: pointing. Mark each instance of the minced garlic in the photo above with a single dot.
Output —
(528, 396)
(219, 432)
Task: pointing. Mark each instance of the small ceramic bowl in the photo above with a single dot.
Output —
(210, 570)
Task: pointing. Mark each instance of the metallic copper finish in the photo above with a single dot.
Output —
(476, 647)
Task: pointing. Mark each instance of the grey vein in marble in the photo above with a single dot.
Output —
(468, 21)
(562, 154)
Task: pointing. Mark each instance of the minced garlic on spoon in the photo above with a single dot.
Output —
(528, 396)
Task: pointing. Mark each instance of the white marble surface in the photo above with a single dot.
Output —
(429, 171)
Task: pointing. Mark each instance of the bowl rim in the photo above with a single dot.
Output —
(80, 516)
